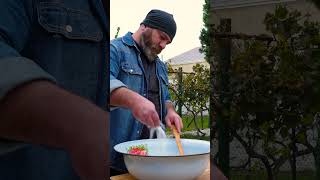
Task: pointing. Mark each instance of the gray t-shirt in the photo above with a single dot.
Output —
(152, 87)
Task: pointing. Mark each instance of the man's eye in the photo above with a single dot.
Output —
(163, 37)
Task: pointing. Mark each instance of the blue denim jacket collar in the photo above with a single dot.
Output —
(128, 39)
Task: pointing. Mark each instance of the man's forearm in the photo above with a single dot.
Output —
(124, 97)
(42, 113)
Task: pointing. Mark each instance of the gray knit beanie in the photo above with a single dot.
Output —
(161, 20)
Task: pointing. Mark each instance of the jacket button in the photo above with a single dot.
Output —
(137, 132)
(68, 28)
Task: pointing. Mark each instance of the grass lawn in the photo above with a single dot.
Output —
(189, 136)
(187, 119)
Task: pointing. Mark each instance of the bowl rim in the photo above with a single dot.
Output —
(187, 155)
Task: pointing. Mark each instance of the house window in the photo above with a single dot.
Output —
(225, 4)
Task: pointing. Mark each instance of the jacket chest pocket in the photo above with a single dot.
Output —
(70, 23)
(164, 80)
(132, 76)
(162, 72)
(131, 69)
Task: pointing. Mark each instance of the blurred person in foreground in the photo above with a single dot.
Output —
(53, 90)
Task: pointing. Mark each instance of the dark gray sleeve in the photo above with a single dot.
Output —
(16, 21)
(114, 68)
(15, 71)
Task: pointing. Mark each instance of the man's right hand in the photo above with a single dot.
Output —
(142, 109)
(145, 111)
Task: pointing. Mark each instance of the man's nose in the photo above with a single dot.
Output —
(163, 44)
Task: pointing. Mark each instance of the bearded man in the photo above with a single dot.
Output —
(139, 84)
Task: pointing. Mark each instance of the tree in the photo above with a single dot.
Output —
(117, 34)
(276, 91)
(195, 94)
(274, 87)
(205, 34)
(207, 47)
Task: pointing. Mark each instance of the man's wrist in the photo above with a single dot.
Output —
(170, 106)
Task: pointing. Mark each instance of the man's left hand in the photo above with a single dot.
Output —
(173, 119)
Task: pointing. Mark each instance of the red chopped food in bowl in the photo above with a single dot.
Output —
(138, 150)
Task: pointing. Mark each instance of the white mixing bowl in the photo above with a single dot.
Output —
(164, 162)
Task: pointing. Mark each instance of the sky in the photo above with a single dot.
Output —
(128, 14)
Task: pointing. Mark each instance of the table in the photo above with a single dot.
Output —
(216, 175)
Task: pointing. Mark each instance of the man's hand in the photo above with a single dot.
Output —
(142, 109)
(172, 118)
(145, 111)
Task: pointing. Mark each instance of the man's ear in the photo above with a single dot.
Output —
(143, 27)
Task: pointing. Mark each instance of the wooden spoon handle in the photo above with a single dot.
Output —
(177, 137)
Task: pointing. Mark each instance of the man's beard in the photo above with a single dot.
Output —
(149, 49)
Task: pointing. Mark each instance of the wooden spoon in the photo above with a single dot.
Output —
(177, 137)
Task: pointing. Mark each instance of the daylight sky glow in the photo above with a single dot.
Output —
(128, 15)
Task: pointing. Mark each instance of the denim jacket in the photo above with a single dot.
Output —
(126, 70)
(63, 41)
